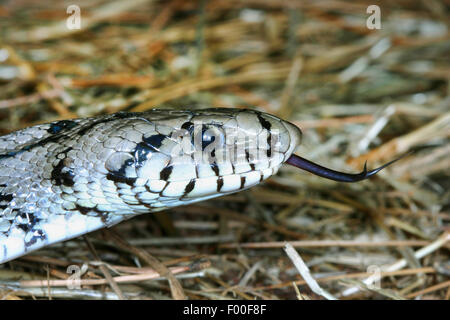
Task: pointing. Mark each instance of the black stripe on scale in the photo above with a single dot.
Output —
(5, 198)
(85, 210)
(242, 182)
(121, 173)
(266, 125)
(269, 151)
(119, 176)
(103, 215)
(155, 141)
(188, 126)
(60, 126)
(219, 183)
(61, 174)
(121, 179)
(189, 187)
(10, 154)
(123, 115)
(165, 173)
(142, 153)
(215, 168)
(247, 158)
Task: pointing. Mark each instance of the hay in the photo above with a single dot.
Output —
(358, 94)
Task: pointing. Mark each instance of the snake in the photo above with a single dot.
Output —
(63, 179)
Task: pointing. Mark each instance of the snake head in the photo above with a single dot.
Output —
(179, 157)
(236, 141)
(165, 158)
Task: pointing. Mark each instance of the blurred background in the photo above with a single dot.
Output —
(365, 80)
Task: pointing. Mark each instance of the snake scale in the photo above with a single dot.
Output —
(70, 177)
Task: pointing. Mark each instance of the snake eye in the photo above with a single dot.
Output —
(208, 137)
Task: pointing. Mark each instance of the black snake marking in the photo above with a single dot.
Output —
(67, 178)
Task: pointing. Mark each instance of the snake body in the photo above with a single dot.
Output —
(67, 178)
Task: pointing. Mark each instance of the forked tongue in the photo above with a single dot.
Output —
(331, 174)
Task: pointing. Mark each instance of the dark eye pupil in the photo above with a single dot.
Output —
(207, 140)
